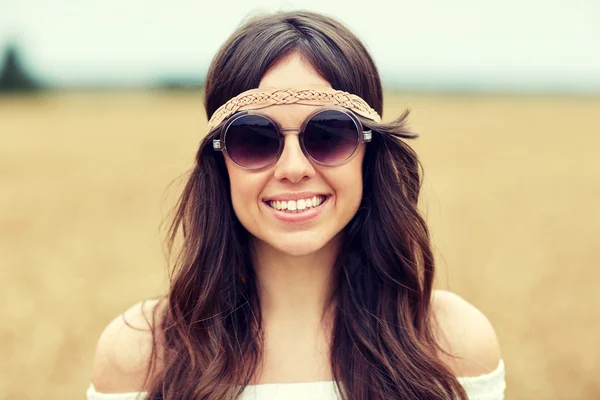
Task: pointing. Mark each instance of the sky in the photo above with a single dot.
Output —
(511, 44)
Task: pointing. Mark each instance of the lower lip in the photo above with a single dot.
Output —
(300, 217)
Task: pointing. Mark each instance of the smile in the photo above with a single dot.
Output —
(297, 211)
(297, 206)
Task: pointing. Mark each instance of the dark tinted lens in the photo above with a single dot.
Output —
(252, 141)
(330, 137)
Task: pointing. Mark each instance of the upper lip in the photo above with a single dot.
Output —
(293, 196)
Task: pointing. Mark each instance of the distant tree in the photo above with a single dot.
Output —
(13, 76)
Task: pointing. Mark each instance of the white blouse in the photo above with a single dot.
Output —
(483, 387)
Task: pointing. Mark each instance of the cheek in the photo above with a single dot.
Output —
(353, 191)
(245, 191)
(347, 182)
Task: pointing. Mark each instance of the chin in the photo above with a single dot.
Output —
(298, 249)
(298, 244)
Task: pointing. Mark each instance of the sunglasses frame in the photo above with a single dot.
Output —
(221, 143)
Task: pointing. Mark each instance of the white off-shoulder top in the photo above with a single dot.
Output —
(483, 387)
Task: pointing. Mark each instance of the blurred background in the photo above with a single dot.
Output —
(101, 114)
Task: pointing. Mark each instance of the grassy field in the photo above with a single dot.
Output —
(512, 194)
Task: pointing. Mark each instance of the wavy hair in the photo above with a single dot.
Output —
(383, 345)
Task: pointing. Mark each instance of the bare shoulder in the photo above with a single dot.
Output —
(466, 333)
(123, 352)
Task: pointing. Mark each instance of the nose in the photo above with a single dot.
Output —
(293, 164)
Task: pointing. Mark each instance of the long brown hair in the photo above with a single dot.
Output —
(383, 345)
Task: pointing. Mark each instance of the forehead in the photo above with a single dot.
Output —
(291, 72)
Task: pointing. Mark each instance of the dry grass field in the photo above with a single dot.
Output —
(512, 195)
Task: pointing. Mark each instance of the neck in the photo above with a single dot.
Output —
(295, 291)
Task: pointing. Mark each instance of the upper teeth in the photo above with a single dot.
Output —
(293, 205)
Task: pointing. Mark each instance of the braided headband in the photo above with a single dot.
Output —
(255, 99)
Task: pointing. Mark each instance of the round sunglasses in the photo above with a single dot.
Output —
(329, 136)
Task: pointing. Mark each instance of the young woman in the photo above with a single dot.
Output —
(304, 268)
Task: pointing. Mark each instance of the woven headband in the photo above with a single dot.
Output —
(255, 99)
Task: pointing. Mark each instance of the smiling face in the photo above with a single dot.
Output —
(294, 177)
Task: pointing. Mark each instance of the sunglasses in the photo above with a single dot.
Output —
(330, 136)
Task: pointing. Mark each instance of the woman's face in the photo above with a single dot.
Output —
(294, 174)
